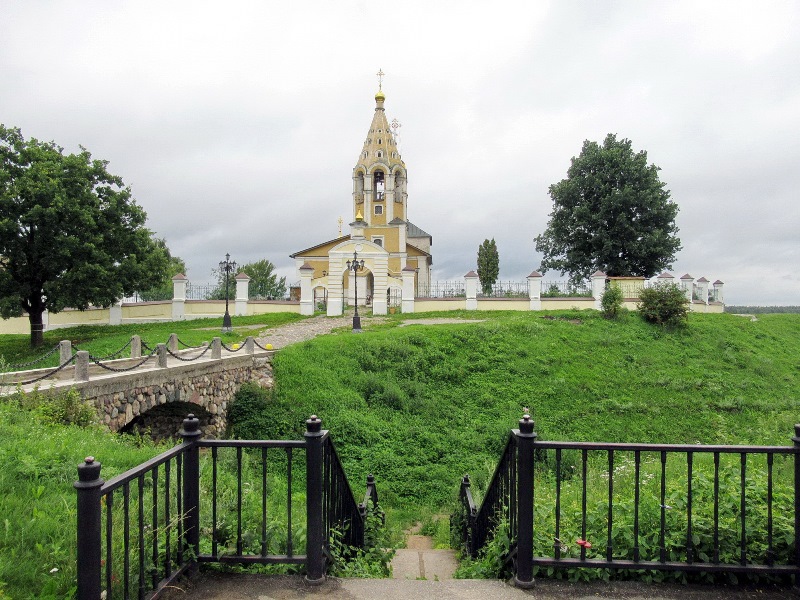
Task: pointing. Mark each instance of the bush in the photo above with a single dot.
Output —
(611, 302)
(664, 304)
(248, 412)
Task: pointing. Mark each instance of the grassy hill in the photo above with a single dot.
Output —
(421, 405)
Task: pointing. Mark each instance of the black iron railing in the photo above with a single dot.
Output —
(677, 507)
(142, 529)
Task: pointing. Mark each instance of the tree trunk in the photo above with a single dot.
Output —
(37, 328)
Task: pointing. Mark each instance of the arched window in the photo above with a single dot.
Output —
(380, 154)
(380, 187)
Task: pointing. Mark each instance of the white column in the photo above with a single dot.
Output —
(115, 313)
(306, 295)
(335, 287)
(718, 291)
(407, 305)
(535, 290)
(687, 282)
(598, 288)
(390, 199)
(179, 283)
(702, 289)
(243, 294)
(380, 284)
(471, 284)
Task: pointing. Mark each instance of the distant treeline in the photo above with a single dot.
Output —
(752, 310)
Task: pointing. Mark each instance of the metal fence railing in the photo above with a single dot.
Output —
(566, 289)
(442, 289)
(709, 509)
(246, 501)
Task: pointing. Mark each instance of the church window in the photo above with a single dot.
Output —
(378, 209)
(365, 155)
(380, 187)
(378, 239)
(380, 154)
(380, 141)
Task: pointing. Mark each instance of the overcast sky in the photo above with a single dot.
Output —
(237, 124)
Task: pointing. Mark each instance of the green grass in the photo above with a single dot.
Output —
(102, 340)
(419, 406)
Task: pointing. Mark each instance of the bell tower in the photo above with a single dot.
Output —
(379, 177)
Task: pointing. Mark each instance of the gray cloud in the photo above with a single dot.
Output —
(237, 127)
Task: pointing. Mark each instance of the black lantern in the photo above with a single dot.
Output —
(227, 266)
(355, 266)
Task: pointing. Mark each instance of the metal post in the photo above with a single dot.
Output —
(190, 432)
(526, 438)
(315, 557)
(796, 440)
(89, 529)
(227, 266)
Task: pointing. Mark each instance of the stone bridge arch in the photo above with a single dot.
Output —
(165, 421)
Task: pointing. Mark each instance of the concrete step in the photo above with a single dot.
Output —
(434, 565)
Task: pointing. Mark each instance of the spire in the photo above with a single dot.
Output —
(380, 145)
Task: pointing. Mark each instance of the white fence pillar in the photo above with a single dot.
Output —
(306, 293)
(535, 290)
(702, 289)
(115, 313)
(687, 283)
(407, 304)
(718, 297)
(242, 294)
(598, 288)
(471, 284)
(179, 296)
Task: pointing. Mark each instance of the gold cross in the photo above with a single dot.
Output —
(380, 75)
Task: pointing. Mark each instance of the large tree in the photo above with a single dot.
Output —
(70, 233)
(488, 265)
(612, 213)
(164, 289)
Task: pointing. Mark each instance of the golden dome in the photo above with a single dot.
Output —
(379, 96)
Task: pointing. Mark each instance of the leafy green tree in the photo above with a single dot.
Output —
(488, 265)
(612, 213)
(264, 282)
(175, 266)
(70, 234)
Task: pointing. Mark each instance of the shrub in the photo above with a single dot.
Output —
(664, 304)
(248, 411)
(611, 302)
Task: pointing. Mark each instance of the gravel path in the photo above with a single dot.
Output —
(307, 329)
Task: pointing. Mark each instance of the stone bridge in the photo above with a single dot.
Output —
(155, 399)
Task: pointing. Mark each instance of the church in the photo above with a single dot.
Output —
(393, 249)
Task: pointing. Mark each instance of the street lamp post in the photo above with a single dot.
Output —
(227, 266)
(355, 266)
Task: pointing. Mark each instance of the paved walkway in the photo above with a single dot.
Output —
(238, 586)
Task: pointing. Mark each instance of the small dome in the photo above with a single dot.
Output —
(379, 97)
